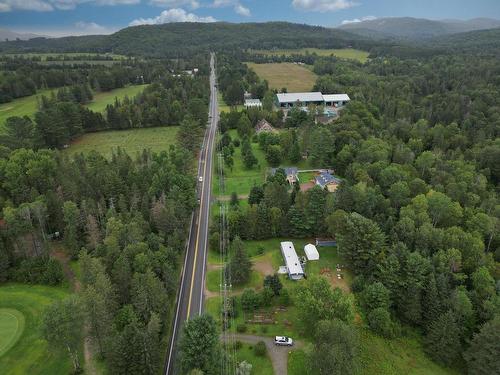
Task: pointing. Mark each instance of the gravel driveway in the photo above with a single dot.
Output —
(278, 354)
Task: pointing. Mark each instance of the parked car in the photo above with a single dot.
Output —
(283, 341)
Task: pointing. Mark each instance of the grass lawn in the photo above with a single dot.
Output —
(213, 281)
(292, 76)
(26, 106)
(345, 53)
(102, 99)
(260, 365)
(297, 362)
(31, 355)
(11, 326)
(240, 180)
(223, 107)
(306, 176)
(131, 140)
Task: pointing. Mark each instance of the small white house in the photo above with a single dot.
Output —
(292, 262)
(311, 252)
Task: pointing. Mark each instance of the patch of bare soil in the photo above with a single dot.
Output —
(264, 266)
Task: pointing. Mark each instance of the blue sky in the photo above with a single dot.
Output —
(61, 17)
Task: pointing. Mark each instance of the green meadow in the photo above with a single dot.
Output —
(22, 347)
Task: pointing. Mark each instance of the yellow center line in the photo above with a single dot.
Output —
(199, 222)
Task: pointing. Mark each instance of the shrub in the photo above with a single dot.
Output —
(236, 142)
(263, 329)
(260, 250)
(260, 349)
(241, 328)
(238, 345)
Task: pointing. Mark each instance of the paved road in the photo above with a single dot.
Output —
(278, 354)
(190, 298)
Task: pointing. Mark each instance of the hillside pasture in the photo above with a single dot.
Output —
(132, 141)
(294, 77)
(344, 53)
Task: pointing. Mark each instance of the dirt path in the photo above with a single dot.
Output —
(88, 353)
(278, 354)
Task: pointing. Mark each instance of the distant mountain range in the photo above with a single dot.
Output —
(416, 28)
(11, 35)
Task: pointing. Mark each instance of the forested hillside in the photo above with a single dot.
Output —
(183, 39)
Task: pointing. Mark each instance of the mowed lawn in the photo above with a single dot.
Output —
(344, 53)
(31, 354)
(240, 179)
(132, 141)
(28, 105)
(102, 99)
(294, 77)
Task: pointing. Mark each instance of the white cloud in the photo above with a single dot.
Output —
(241, 10)
(36, 5)
(193, 4)
(323, 5)
(356, 20)
(237, 6)
(48, 5)
(172, 15)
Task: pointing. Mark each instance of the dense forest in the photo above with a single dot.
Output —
(181, 40)
(125, 219)
(176, 40)
(417, 215)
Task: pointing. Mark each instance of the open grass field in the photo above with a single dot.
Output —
(102, 99)
(344, 53)
(292, 76)
(240, 180)
(11, 327)
(30, 354)
(131, 140)
(28, 105)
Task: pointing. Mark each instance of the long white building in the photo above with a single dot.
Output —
(292, 262)
(291, 99)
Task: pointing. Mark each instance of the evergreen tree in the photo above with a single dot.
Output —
(240, 265)
(482, 356)
(442, 342)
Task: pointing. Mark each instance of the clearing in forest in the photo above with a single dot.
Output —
(132, 141)
(344, 53)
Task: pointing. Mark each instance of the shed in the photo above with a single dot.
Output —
(311, 252)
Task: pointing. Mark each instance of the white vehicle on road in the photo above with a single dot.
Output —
(283, 340)
(200, 178)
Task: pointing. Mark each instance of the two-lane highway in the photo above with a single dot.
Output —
(190, 296)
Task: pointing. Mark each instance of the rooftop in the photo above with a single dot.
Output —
(326, 178)
(293, 97)
(336, 98)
